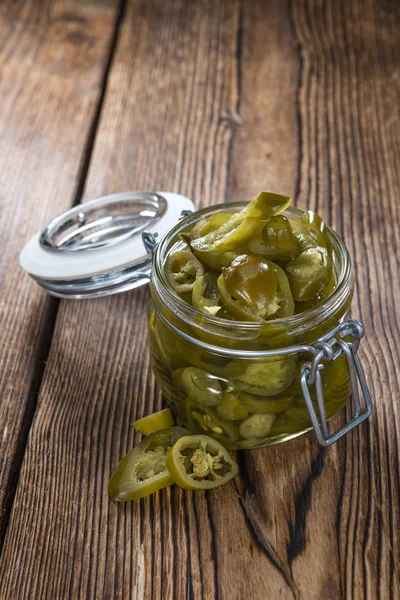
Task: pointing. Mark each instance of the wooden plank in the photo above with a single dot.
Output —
(52, 59)
(216, 100)
(350, 124)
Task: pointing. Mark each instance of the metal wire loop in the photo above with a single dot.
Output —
(311, 375)
(185, 213)
(326, 349)
(149, 241)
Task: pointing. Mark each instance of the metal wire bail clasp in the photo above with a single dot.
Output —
(329, 348)
(150, 239)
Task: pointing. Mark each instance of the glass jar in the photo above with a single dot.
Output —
(256, 384)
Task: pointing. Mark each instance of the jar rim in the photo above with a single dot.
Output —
(314, 315)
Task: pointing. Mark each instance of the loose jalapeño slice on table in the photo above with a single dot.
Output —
(143, 471)
(155, 422)
(197, 462)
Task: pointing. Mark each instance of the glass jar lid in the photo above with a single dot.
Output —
(103, 246)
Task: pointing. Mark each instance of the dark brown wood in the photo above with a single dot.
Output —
(218, 100)
(53, 57)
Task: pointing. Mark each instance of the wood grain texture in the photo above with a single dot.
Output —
(217, 100)
(52, 59)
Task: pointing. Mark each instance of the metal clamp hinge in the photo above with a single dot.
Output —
(185, 213)
(330, 349)
(149, 239)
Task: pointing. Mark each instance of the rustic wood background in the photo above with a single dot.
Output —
(216, 99)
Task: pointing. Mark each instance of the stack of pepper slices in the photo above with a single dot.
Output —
(255, 265)
(169, 455)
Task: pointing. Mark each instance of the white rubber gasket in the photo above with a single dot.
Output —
(46, 264)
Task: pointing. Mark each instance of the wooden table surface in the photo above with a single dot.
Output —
(217, 100)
